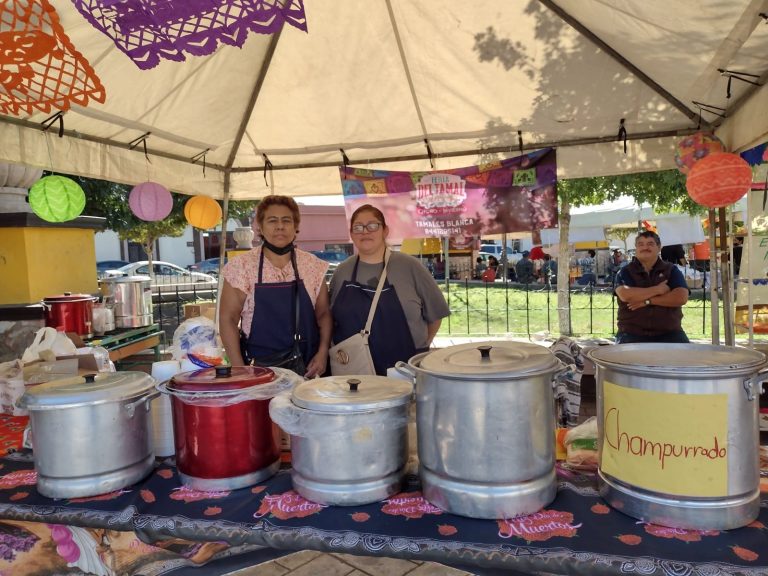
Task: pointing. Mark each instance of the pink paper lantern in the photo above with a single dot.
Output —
(693, 148)
(719, 179)
(150, 201)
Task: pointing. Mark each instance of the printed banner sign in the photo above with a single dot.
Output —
(664, 442)
(512, 195)
(757, 158)
(753, 272)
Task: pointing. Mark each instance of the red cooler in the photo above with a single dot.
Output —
(223, 441)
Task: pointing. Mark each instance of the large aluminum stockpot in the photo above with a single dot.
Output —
(130, 298)
(91, 435)
(486, 427)
(349, 437)
(222, 432)
(678, 432)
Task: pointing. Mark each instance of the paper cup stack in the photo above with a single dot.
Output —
(162, 416)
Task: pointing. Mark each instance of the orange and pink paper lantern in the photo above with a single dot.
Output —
(693, 148)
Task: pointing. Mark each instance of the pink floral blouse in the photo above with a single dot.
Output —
(242, 272)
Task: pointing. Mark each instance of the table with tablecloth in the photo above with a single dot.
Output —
(157, 524)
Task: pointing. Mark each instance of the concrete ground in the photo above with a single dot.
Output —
(311, 563)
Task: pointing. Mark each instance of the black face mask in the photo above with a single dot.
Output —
(279, 251)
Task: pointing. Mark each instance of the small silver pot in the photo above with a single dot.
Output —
(91, 436)
(349, 437)
(486, 425)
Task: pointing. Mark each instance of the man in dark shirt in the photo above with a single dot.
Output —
(651, 295)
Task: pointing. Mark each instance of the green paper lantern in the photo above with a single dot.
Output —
(57, 199)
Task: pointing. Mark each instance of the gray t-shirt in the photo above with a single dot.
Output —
(419, 295)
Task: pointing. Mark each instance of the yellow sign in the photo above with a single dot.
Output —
(665, 442)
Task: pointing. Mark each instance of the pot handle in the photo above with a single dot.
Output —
(755, 381)
(405, 369)
(131, 406)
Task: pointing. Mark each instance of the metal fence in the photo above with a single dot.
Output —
(499, 308)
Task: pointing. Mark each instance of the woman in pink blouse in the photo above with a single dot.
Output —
(261, 290)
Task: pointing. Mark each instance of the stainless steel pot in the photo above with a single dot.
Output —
(349, 437)
(486, 426)
(91, 436)
(130, 298)
(678, 432)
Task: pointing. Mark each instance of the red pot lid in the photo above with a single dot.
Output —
(221, 378)
(66, 297)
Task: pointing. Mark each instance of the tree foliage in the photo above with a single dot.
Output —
(664, 190)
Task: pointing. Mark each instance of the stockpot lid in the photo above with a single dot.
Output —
(69, 297)
(678, 359)
(345, 394)
(495, 360)
(221, 378)
(87, 390)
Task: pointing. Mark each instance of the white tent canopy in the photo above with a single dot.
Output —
(391, 81)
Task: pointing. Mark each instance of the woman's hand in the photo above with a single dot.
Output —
(316, 366)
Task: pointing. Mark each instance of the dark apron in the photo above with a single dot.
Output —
(274, 320)
(390, 338)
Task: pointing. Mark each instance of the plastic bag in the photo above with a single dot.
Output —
(581, 445)
(298, 421)
(196, 338)
(11, 387)
(47, 345)
(63, 346)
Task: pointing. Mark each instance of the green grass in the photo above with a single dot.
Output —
(498, 309)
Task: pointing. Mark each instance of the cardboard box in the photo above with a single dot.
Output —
(207, 309)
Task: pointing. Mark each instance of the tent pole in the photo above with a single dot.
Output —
(725, 279)
(714, 298)
(222, 251)
(746, 264)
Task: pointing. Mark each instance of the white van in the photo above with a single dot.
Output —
(496, 250)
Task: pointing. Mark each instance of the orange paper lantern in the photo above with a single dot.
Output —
(719, 180)
(204, 212)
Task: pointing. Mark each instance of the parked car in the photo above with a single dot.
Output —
(496, 250)
(104, 265)
(167, 276)
(333, 258)
(208, 266)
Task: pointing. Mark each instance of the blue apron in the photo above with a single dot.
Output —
(390, 338)
(274, 317)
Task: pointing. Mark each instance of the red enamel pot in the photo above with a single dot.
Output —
(223, 442)
(72, 312)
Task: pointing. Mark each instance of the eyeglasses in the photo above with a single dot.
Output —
(370, 227)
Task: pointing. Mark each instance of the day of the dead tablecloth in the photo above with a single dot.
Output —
(577, 534)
